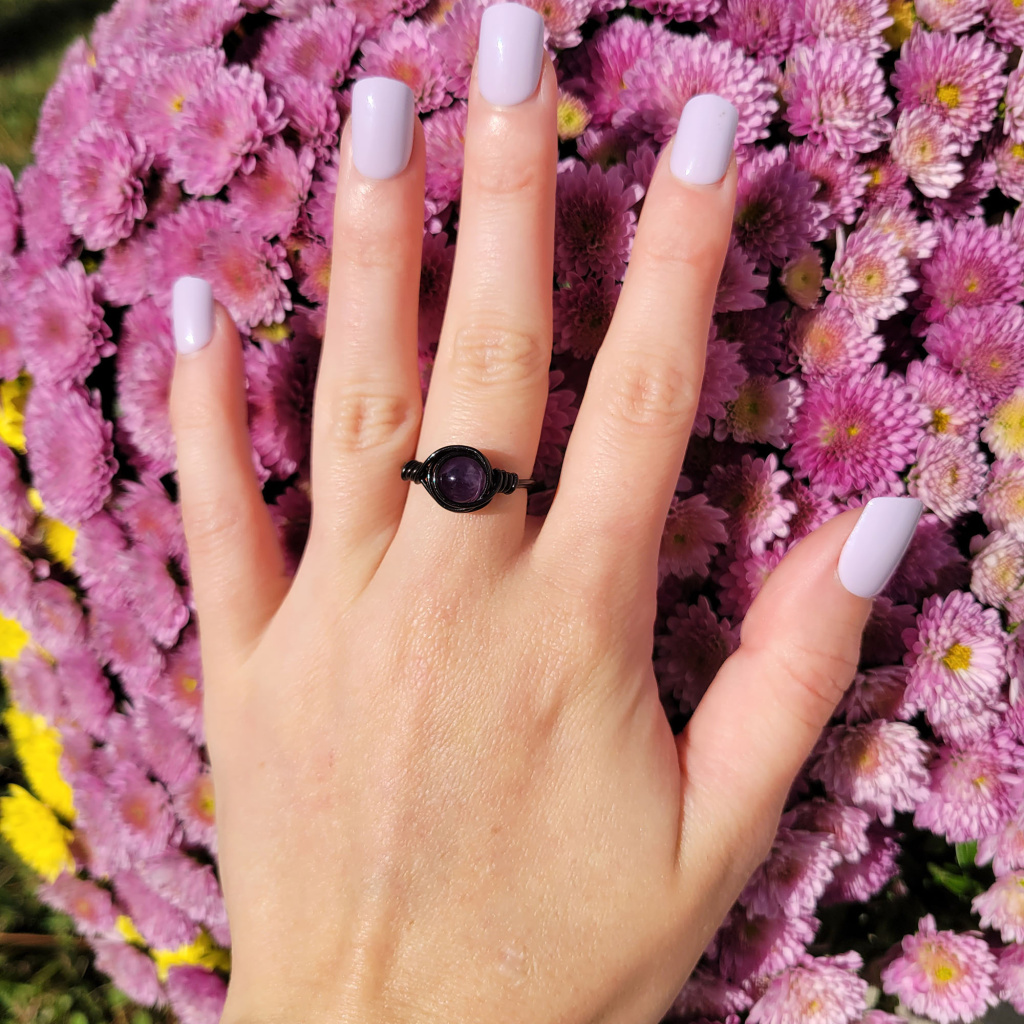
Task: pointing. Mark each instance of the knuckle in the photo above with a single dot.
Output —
(503, 169)
(213, 524)
(652, 396)
(484, 356)
(363, 419)
(820, 676)
(368, 235)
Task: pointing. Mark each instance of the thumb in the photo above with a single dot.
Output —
(799, 649)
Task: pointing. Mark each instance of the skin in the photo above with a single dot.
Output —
(445, 785)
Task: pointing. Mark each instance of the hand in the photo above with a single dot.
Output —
(445, 786)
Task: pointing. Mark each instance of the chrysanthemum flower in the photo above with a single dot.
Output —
(862, 24)
(456, 41)
(953, 410)
(594, 221)
(1004, 430)
(68, 108)
(268, 200)
(689, 656)
(1005, 22)
(90, 906)
(925, 146)
(742, 575)
(185, 883)
(693, 533)
(61, 329)
(776, 215)
(836, 98)
(45, 233)
(966, 197)
(870, 275)
(179, 686)
(752, 947)
(681, 10)
(762, 412)
(812, 508)
(739, 285)
(763, 28)
(657, 87)
(973, 789)
(958, 77)
(831, 342)
(583, 309)
(15, 512)
(88, 700)
(847, 825)
(123, 278)
(932, 554)
(188, 24)
(879, 765)
(943, 975)
(723, 374)
(406, 52)
(820, 990)
(445, 135)
(1008, 157)
(1001, 906)
(793, 876)
(159, 922)
(1004, 848)
(706, 993)
(221, 128)
(320, 47)
(801, 278)
(748, 492)
(196, 993)
(856, 433)
(121, 640)
(946, 16)
(194, 805)
(973, 265)
(997, 567)
(612, 51)
(759, 334)
(248, 274)
(948, 474)
(858, 881)
(957, 660)
(886, 187)
(1010, 975)
(1002, 501)
(130, 969)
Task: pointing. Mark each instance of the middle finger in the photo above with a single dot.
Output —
(489, 385)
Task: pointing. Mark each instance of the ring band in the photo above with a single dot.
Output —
(460, 478)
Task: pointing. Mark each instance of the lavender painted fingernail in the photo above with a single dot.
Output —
(703, 143)
(383, 116)
(877, 543)
(192, 313)
(511, 53)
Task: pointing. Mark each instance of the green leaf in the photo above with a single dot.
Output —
(959, 884)
(965, 853)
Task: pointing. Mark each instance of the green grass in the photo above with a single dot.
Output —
(33, 37)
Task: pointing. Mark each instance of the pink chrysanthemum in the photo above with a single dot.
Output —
(186, 24)
(1002, 502)
(742, 575)
(1010, 974)
(312, 112)
(776, 215)
(812, 508)
(248, 275)
(947, 475)
(862, 24)
(197, 995)
(88, 700)
(689, 656)
(594, 221)
(185, 883)
(68, 108)
(836, 98)
(657, 87)
(152, 520)
(762, 28)
(973, 789)
(456, 41)
(925, 147)
(795, 873)
(858, 881)
(739, 284)
(406, 52)
(70, 451)
(762, 412)
(748, 491)
(943, 975)
(847, 825)
(941, 15)
(831, 342)
(101, 194)
(320, 47)
(177, 243)
(583, 309)
(997, 567)
(954, 413)
(973, 265)
(90, 906)
(1008, 157)
(708, 993)
(143, 809)
(966, 197)
(159, 922)
(856, 433)
(1001, 907)
(179, 687)
(291, 515)
(752, 947)
(870, 275)
(1005, 22)
(956, 654)
(121, 641)
(221, 129)
(759, 334)
(958, 77)
(268, 200)
(56, 622)
(879, 765)
(1003, 431)
(61, 329)
(124, 277)
(681, 10)
(42, 225)
(193, 804)
(562, 20)
(693, 533)
(1004, 848)
(1013, 125)
(130, 969)
(820, 990)
(16, 514)
(723, 374)
(841, 183)
(614, 49)
(445, 135)
(984, 345)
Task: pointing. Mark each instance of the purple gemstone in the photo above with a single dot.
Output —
(461, 479)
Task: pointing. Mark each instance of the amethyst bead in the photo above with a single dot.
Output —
(461, 479)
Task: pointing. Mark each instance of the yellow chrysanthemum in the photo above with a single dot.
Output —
(35, 833)
(203, 952)
(572, 117)
(39, 748)
(13, 395)
(13, 637)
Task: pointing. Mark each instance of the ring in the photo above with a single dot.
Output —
(460, 478)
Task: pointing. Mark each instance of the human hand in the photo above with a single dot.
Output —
(446, 788)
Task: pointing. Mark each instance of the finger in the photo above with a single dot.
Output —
(368, 401)
(799, 649)
(235, 557)
(490, 380)
(623, 459)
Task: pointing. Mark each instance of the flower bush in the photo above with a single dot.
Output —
(868, 339)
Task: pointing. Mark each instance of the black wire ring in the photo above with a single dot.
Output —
(431, 472)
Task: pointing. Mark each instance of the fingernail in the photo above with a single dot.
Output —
(383, 114)
(511, 53)
(877, 543)
(703, 143)
(192, 312)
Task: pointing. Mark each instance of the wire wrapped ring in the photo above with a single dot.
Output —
(460, 478)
